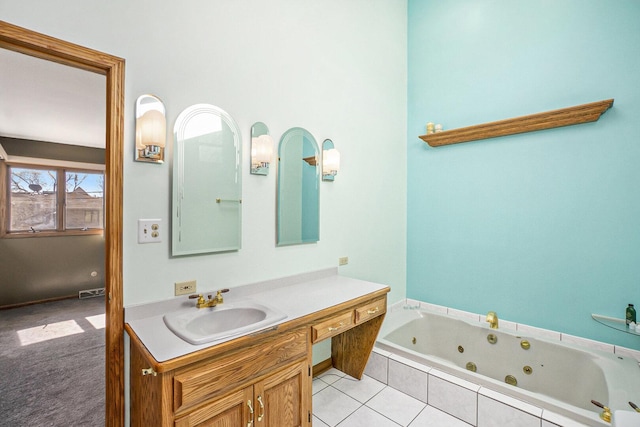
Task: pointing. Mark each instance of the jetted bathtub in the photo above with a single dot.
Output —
(556, 376)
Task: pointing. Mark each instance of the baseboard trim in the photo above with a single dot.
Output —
(322, 367)
(22, 304)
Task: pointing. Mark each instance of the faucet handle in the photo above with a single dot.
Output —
(200, 299)
(605, 415)
(219, 294)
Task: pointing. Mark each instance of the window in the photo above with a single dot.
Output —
(37, 203)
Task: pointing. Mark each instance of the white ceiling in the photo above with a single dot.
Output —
(46, 101)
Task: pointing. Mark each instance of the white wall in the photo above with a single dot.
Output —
(334, 67)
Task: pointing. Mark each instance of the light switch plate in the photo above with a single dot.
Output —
(343, 260)
(150, 231)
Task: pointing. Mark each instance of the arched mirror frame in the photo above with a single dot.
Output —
(310, 160)
(38, 45)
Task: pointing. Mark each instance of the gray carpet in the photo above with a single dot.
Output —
(58, 381)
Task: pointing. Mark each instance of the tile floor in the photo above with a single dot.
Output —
(342, 401)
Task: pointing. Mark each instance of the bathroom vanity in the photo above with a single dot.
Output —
(261, 378)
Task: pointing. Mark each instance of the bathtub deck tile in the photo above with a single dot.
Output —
(508, 324)
(406, 361)
(492, 413)
(584, 342)
(396, 406)
(539, 332)
(397, 306)
(454, 380)
(412, 303)
(627, 352)
(408, 380)
(453, 399)
(551, 419)
(474, 317)
(434, 308)
(508, 400)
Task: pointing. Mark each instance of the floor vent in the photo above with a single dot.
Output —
(91, 293)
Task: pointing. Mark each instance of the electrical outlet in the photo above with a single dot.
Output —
(343, 260)
(149, 231)
(184, 288)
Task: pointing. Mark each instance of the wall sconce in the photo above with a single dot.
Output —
(261, 149)
(151, 129)
(330, 161)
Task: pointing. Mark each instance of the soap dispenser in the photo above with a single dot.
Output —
(630, 314)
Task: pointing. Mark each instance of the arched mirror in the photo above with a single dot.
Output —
(298, 219)
(207, 187)
(151, 129)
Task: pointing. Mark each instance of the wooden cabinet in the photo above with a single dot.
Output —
(254, 386)
(258, 380)
(276, 401)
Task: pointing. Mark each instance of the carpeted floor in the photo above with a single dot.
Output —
(52, 364)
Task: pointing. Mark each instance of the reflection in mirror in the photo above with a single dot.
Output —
(298, 195)
(207, 188)
(151, 129)
(330, 160)
(261, 149)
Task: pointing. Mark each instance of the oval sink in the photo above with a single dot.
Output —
(200, 326)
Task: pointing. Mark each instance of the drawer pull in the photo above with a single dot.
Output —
(331, 328)
(377, 309)
(250, 423)
(261, 414)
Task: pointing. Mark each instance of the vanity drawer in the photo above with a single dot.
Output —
(334, 326)
(193, 384)
(373, 309)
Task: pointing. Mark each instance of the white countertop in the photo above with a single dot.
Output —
(296, 296)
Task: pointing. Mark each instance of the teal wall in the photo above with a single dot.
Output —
(542, 227)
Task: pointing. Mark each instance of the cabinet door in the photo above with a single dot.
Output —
(283, 399)
(232, 410)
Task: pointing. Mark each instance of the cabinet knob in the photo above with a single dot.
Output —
(331, 328)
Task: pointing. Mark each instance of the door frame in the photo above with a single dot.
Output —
(38, 45)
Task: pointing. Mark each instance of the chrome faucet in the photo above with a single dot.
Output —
(492, 318)
(210, 301)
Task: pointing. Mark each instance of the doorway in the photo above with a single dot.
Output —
(41, 46)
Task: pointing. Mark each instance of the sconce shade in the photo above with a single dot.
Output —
(330, 162)
(261, 150)
(151, 130)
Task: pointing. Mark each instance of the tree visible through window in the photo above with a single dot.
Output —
(38, 203)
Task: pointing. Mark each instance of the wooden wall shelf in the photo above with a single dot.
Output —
(550, 119)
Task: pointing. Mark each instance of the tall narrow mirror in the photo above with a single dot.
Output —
(207, 187)
(298, 196)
